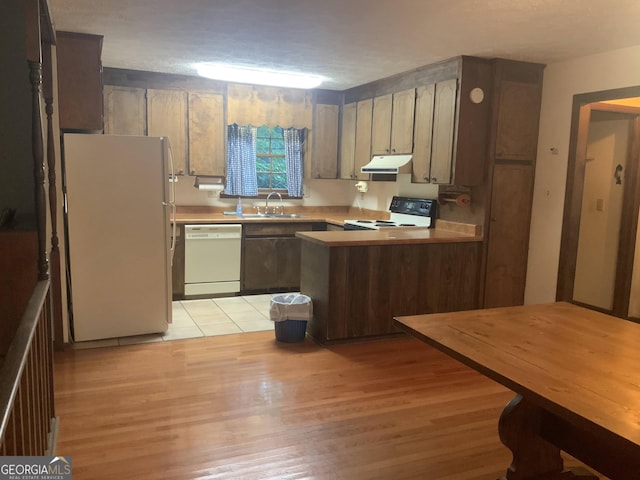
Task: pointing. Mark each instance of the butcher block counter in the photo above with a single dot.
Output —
(359, 280)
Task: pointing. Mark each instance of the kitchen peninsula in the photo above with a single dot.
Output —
(360, 280)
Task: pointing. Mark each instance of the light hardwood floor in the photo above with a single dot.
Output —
(248, 407)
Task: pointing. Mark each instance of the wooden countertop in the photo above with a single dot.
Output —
(222, 218)
(352, 238)
(335, 215)
(445, 231)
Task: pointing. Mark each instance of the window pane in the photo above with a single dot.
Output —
(279, 180)
(262, 145)
(264, 180)
(277, 146)
(263, 164)
(278, 164)
(264, 131)
(277, 132)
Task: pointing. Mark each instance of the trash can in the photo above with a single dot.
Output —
(290, 314)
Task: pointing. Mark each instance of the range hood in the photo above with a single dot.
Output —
(386, 164)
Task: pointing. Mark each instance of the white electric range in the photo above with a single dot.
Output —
(405, 213)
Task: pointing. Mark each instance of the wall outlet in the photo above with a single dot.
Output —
(212, 194)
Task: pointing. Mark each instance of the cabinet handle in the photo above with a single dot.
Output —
(434, 179)
(193, 172)
(393, 150)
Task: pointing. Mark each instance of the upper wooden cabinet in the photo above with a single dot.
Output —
(355, 139)
(444, 112)
(80, 102)
(393, 119)
(422, 134)
(125, 110)
(206, 134)
(348, 141)
(518, 117)
(167, 117)
(381, 125)
(324, 133)
(460, 126)
(364, 111)
(402, 121)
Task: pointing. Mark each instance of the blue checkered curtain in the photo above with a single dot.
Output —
(293, 143)
(241, 165)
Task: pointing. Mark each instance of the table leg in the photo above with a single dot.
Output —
(533, 457)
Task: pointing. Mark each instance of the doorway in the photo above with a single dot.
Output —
(598, 266)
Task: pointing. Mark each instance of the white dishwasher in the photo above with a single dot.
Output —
(212, 259)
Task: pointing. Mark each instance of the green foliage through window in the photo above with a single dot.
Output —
(271, 165)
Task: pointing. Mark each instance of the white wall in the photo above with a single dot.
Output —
(318, 193)
(563, 80)
(601, 213)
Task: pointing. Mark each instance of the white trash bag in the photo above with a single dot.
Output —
(292, 306)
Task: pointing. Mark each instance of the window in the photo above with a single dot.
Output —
(264, 158)
(271, 165)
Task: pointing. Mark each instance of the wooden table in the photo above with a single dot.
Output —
(576, 374)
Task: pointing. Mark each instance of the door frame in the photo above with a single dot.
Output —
(583, 104)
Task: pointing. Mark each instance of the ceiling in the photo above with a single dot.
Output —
(349, 42)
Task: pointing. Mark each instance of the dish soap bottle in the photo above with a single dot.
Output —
(239, 207)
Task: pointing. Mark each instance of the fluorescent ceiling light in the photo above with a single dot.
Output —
(258, 76)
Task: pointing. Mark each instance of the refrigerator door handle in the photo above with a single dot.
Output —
(172, 200)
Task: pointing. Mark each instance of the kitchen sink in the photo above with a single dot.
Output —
(272, 215)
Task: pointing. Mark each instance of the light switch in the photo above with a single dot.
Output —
(600, 205)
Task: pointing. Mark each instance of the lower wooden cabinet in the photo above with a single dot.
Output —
(177, 267)
(271, 263)
(271, 256)
(357, 290)
(508, 237)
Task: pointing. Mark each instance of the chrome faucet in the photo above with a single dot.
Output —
(266, 204)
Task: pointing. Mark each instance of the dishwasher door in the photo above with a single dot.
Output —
(212, 259)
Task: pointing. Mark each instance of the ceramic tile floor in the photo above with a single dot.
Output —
(204, 318)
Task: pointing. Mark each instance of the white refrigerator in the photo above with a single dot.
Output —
(117, 201)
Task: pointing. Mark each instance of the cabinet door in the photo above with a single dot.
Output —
(206, 134)
(125, 110)
(443, 131)
(422, 134)
(381, 126)
(363, 137)
(324, 158)
(508, 235)
(288, 270)
(167, 117)
(402, 121)
(260, 261)
(177, 268)
(518, 116)
(79, 81)
(348, 141)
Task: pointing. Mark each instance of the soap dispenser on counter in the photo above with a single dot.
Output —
(239, 207)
